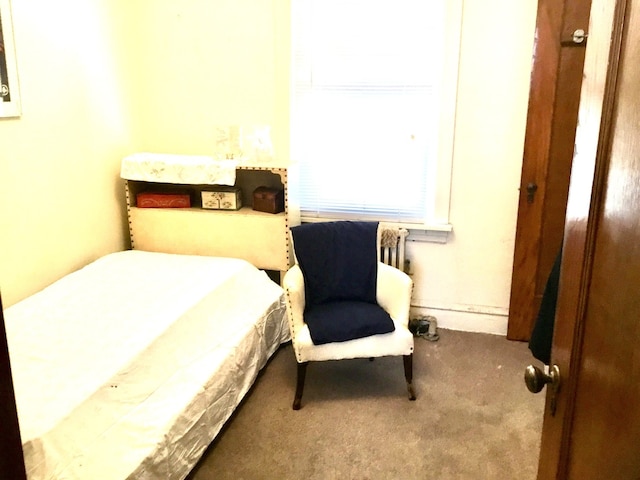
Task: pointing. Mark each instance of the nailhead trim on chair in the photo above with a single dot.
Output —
(292, 325)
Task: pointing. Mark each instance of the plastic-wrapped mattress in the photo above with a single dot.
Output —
(129, 367)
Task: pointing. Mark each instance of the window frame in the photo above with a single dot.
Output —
(436, 225)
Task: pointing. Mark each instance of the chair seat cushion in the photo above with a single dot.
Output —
(346, 320)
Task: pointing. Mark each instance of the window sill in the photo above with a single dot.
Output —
(438, 233)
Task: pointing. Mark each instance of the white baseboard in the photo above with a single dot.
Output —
(464, 320)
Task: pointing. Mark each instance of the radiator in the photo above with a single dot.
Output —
(392, 246)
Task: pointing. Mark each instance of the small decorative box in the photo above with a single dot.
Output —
(163, 200)
(267, 199)
(222, 198)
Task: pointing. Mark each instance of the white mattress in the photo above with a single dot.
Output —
(129, 367)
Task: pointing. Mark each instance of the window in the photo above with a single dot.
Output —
(372, 107)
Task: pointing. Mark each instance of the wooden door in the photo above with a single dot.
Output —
(595, 432)
(11, 459)
(551, 120)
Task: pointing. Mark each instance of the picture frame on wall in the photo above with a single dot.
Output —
(9, 90)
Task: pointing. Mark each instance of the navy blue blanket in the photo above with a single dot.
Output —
(339, 262)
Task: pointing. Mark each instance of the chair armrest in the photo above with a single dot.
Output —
(293, 284)
(393, 292)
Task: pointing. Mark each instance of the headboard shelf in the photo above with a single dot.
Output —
(261, 238)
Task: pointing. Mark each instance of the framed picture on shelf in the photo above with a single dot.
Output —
(9, 91)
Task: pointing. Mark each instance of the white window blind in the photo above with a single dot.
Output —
(366, 106)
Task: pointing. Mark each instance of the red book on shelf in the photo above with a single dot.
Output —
(163, 200)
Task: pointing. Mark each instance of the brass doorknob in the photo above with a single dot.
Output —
(536, 379)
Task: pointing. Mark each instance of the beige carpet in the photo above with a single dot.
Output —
(473, 419)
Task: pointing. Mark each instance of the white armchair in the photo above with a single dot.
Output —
(393, 290)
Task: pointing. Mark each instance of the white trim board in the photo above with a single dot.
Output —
(465, 320)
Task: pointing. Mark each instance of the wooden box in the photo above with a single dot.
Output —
(163, 200)
(267, 199)
(222, 198)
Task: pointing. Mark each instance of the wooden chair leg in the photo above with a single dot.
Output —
(302, 372)
(408, 375)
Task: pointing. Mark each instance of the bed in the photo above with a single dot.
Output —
(129, 367)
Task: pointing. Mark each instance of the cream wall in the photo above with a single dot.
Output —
(226, 62)
(60, 199)
(204, 63)
(466, 282)
(176, 70)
